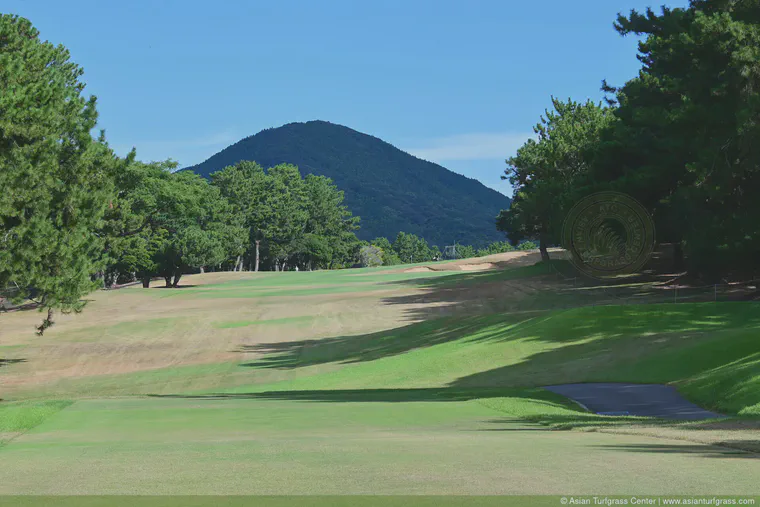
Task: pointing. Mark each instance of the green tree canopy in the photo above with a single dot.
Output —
(132, 230)
(166, 223)
(546, 172)
(411, 248)
(389, 256)
(684, 142)
(244, 185)
(297, 221)
(56, 180)
(201, 227)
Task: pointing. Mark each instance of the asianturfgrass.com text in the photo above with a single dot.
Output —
(675, 500)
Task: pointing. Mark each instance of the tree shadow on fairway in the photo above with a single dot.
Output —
(573, 419)
(541, 286)
(576, 345)
(526, 288)
(692, 431)
(701, 450)
(369, 347)
(6, 362)
(504, 271)
(644, 345)
(443, 394)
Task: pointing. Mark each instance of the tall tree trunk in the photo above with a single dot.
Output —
(257, 254)
(542, 248)
(177, 276)
(203, 269)
(146, 282)
(168, 280)
(237, 264)
(678, 259)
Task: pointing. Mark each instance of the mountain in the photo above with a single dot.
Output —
(389, 189)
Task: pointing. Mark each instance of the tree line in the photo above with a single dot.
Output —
(409, 249)
(164, 223)
(680, 137)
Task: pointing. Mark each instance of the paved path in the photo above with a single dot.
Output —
(648, 400)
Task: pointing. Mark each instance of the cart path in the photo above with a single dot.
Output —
(647, 400)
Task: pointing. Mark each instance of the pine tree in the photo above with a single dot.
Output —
(56, 180)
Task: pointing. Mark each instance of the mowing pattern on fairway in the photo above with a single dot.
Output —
(427, 445)
(374, 381)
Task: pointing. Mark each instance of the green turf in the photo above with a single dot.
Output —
(315, 279)
(709, 350)
(500, 275)
(418, 444)
(443, 406)
(23, 416)
(242, 291)
(19, 417)
(285, 320)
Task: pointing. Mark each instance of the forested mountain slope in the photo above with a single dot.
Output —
(389, 189)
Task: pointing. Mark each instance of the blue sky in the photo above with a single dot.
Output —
(458, 83)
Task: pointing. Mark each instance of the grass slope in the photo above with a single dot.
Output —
(711, 352)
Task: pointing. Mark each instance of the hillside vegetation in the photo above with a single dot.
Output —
(389, 189)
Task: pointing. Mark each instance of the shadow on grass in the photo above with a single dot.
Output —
(503, 271)
(6, 362)
(573, 339)
(518, 400)
(588, 420)
(644, 345)
(369, 347)
(684, 343)
(444, 394)
(701, 450)
(541, 286)
(735, 447)
(556, 284)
